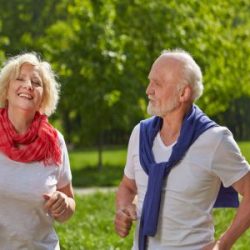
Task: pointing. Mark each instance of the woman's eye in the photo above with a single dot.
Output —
(37, 83)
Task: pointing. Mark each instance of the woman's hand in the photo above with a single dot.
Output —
(56, 203)
(60, 204)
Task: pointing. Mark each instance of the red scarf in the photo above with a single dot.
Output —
(39, 143)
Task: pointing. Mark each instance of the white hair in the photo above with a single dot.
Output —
(11, 70)
(191, 71)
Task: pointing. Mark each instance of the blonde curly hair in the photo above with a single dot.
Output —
(11, 70)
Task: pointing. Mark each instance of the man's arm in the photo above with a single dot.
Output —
(241, 221)
(125, 209)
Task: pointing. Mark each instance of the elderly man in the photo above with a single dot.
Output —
(180, 164)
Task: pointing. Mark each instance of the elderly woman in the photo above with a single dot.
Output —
(35, 179)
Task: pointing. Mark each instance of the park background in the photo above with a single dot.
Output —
(102, 51)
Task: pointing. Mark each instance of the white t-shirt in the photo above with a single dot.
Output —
(189, 193)
(24, 225)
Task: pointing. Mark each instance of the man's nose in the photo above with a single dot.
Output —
(149, 89)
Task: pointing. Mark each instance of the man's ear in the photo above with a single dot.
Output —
(186, 94)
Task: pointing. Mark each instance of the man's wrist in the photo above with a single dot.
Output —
(224, 244)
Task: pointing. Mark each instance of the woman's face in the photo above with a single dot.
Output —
(26, 91)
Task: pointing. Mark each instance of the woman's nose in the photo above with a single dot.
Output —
(27, 84)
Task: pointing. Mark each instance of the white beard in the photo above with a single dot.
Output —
(162, 111)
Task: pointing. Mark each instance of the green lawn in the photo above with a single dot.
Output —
(91, 228)
(245, 149)
(86, 173)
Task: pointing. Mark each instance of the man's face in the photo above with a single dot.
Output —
(162, 90)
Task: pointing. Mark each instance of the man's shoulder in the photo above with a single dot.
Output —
(148, 120)
(151, 123)
(216, 133)
(145, 123)
(219, 130)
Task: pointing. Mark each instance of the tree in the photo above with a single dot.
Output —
(103, 50)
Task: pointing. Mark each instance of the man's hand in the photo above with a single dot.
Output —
(124, 218)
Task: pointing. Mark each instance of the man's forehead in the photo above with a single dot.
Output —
(165, 68)
(168, 61)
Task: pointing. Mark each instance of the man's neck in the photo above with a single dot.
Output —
(172, 123)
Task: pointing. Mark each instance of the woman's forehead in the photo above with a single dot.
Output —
(29, 68)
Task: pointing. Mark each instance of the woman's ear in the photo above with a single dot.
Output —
(186, 94)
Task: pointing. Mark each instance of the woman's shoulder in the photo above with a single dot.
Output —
(60, 137)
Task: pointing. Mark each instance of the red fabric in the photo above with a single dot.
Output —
(39, 143)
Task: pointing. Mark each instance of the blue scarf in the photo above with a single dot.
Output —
(194, 124)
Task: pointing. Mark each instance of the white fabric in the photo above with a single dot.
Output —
(188, 196)
(23, 222)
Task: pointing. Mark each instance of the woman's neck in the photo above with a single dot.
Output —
(20, 119)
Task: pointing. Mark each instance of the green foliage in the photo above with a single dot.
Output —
(103, 50)
(237, 119)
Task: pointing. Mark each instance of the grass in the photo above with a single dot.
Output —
(89, 158)
(91, 228)
(245, 149)
(85, 170)
(222, 219)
